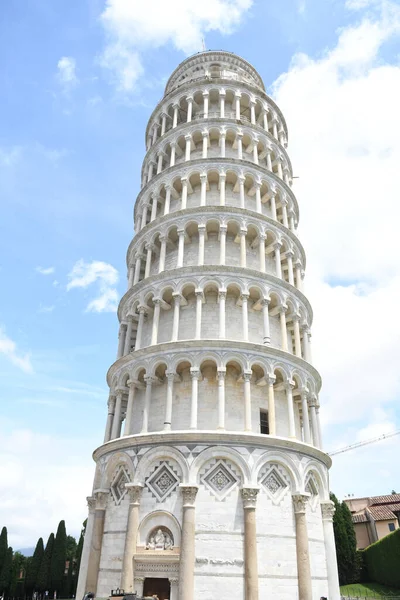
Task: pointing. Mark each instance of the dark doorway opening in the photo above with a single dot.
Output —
(157, 586)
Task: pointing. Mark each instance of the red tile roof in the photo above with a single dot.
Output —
(359, 518)
(389, 499)
(381, 513)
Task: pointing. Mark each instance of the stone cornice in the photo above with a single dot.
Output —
(219, 271)
(203, 83)
(235, 438)
(215, 346)
(220, 210)
(216, 163)
(216, 122)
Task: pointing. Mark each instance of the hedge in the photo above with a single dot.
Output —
(382, 560)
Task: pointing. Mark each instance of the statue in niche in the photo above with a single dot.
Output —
(160, 540)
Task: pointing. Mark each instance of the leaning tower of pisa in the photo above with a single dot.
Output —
(211, 481)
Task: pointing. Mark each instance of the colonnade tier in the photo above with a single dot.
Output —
(219, 237)
(203, 387)
(216, 138)
(214, 305)
(217, 99)
(205, 182)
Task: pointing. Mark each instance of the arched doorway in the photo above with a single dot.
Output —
(157, 586)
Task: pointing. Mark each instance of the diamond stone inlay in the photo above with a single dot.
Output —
(220, 480)
(118, 488)
(163, 482)
(274, 483)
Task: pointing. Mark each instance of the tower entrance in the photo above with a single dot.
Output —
(157, 587)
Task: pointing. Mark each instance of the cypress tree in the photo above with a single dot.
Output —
(33, 568)
(58, 558)
(18, 564)
(6, 571)
(3, 546)
(43, 578)
(352, 568)
(340, 532)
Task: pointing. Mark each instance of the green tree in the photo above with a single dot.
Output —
(43, 578)
(6, 571)
(78, 556)
(345, 540)
(58, 558)
(71, 547)
(352, 566)
(33, 567)
(3, 546)
(17, 574)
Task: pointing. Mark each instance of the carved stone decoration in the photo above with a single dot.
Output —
(327, 510)
(274, 482)
(311, 488)
(162, 482)
(220, 479)
(101, 498)
(135, 492)
(160, 538)
(91, 502)
(300, 502)
(236, 562)
(118, 489)
(189, 493)
(249, 497)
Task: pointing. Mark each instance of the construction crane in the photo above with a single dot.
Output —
(364, 443)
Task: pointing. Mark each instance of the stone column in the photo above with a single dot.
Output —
(202, 233)
(195, 375)
(221, 398)
(239, 138)
(205, 144)
(289, 257)
(138, 585)
(187, 554)
(168, 402)
(252, 112)
(156, 320)
(135, 492)
(160, 162)
(306, 419)
(144, 215)
(314, 424)
(328, 510)
(222, 243)
(205, 103)
(222, 103)
(173, 154)
(241, 190)
(131, 273)
(255, 151)
(221, 300)
(190, 109)
(188, 139)
(271, 405)
(297, 342)
(284, 212)
(267, 335)
(298, 276)
(138, 266)
(129, 410)
(149, 248)
(282, 316)
(155, 128)
(203, 193)
(121, 340)
(147, 402)
(175, 323)
(167, 199)
(303, 557)
(142, 312)
(261, 239)
(278, 267)
(317, 407)
(245, 317)
(289, 398)
(242, 233)
(83, 570)
(175, 117)
(163, 251)
(110, 417)
(222, 178)
(265, 120)
(154, 204)
(163, 123)
(181, 244)
(174, 588)
(237, 105)
(96, 541)
(150, 171)
(249, 497)
(222, 143)
(116, 428)
(247, 400)
(273, 205)
(199, 306)
(128, 336)
(184, 193)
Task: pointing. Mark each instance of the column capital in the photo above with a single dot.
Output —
(243, 231)
(265, 301)
(177, 298)
(142, 310)
(172, 145)
(249, 497)
(312, 402)
(91, 502)
(239, 134)
(242, 179)
(199, 293)
(238, 94)
(206, 93)
(131, 383)
(277, 245)
(221, 373)
(150, 246)
(157, 300)
(135, 492)
(120, 391)
(189, 98)
(170, 376)
(222, 175)
(262, 237)
(204, 133)
(289, 254)
(189, 493)
(328, 510)
(101, 496)
(201, 227)
(283, 308)
(188, 138)
(222, 92)
(289, 385)
(270, 378)
(244, 297)
(195, 373)
(150, 379)
(300, 503)
(111, 402)
(203, 177)
(247, 375)
(223, 228)
(222, 294)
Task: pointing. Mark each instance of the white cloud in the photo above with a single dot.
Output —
(342, 113)
(132, 26)
(85, 274)
(10, 156)
(46, 309)
(45, 270)
(9, 348)
(66, 74)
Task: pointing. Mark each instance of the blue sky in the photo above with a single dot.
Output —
(79, 81)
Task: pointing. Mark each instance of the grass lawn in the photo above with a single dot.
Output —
(368, 590)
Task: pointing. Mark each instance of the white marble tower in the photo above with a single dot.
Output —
(211, 481)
